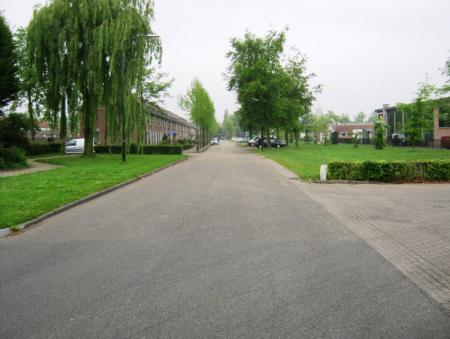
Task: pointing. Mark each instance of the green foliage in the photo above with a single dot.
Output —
(78, 49)
(201, 110)
(40, 148)
(305, 160)
(360, 118)
(8, 61)
(31, 91)
(145, 149)
(395, 171)
(229, 124)
(13, 129)
(379, 129)
(12, 157)
(418, 114)
(355, 140)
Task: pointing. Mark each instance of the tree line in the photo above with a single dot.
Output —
(273, 88)
(75, 56)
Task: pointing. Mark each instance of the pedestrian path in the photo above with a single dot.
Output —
(34, 166)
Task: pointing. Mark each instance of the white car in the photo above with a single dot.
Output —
(75, 146)
(214, 141)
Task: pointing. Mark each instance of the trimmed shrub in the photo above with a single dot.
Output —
(394, 171)
(162, 149)
(133, 149)
(146, 149)
(13, 157)
(39, 148)
(187, 146)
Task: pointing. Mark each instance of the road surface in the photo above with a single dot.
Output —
(222, 245)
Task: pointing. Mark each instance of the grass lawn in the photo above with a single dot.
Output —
(27, 196)
(305, 160)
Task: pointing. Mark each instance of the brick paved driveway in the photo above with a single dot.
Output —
(408, 224)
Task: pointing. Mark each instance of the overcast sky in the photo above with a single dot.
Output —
(365, 53)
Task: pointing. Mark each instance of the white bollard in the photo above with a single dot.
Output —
(323, 173)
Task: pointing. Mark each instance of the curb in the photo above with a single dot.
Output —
(7, 231)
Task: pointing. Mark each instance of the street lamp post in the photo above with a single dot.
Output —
(124, 150)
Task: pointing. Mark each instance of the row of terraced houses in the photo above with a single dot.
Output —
(162, 124)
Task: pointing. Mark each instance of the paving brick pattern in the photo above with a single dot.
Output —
(408, 224)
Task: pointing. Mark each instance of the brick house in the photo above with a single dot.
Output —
(347, 131)
(161, 123)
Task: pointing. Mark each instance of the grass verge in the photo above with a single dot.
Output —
(28, 196)
(305, 160)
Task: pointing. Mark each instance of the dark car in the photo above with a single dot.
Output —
(273, 143)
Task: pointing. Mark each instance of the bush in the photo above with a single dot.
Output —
(379, 129)
(13, 129)
(39, 148)
(146, 149)
(13, 157)
(162, 149)
(133, 149)
(395, 171)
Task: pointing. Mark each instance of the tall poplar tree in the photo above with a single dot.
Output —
(201, 110)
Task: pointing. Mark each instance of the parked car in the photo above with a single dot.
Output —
(76, 146)
(214, 141)
(398, 139)
(253, 141)
(273, 143)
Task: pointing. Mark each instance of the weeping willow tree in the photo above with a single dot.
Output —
(78, 48)
(201, 110)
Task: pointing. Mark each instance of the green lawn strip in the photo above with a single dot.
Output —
(305, 160)
(27, 196)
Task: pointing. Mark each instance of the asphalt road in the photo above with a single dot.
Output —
(222, 245)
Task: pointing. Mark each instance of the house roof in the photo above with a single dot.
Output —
(350, 127)
(165, 114)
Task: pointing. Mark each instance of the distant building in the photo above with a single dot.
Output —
(348, 131)
(162, 123)
(393, 118)
(438, 120)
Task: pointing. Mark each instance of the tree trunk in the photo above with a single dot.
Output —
(88, 118)
(63, 119)
(278, 133)
(286, 136)
(296, 137)
(31, 114)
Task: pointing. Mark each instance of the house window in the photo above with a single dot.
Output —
(444, 119)
(343, 134)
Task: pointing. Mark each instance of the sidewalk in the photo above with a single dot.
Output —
(35, 166)
(407, 224)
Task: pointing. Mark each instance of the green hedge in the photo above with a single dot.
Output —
(146, 149)
(393, 171)
(39, 148)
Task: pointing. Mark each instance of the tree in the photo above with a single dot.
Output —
(13, 129)
(254, 74)
(379, 129)
(8, 66)
(201, 110)
(297, 96)
(79, 47)
(360, 118)
(416, 113)
(30, 90)
(228, 125)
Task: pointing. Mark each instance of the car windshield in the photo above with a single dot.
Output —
(71, 143)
